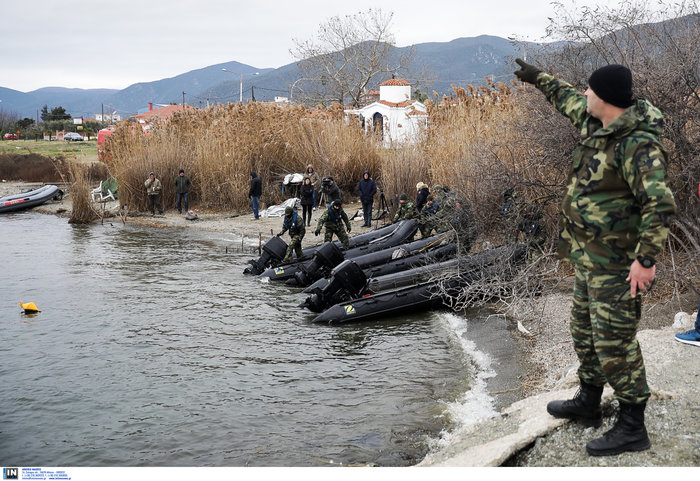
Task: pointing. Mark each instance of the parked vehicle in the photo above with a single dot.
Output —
(103, 154)
(73, 136)
(10, 136)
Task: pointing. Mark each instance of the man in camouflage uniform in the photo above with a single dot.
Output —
(615, 218)
(333, 219)
(531, 223)
(427, 217)
(406, 209)
(296, 232)
(455, 213)
(510, 211)
(461, 218)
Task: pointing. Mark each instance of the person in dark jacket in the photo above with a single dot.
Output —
(330, 190)
(296, 229)
(182, 189)
(307, 199)
(367, 188)
(422, 196)
(315, 182)
(255, 193)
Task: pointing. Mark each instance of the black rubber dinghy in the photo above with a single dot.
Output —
(274, 250)
(329, 255)
(426, 295)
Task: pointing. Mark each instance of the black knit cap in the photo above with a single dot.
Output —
(613, 84)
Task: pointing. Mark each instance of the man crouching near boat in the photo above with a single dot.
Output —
(615, 219)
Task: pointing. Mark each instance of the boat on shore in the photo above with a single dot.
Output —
(451, 277)
(32, 198)
(329, 255)
(274, 250)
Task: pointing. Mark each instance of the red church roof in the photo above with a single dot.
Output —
(396, 82)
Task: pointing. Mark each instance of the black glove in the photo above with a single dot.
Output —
(280, 234)
(527, 73)
(349, 227)
(317, 232)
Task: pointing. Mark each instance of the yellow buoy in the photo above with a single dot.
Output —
(29, 307)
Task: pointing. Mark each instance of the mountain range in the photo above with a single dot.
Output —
(460, 61)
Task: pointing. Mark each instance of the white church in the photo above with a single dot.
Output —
(394, 118)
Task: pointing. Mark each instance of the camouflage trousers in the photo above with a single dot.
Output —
(294, 246)
(339, 232)
(426, 228)
(604, 321)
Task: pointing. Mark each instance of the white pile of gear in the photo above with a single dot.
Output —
(278, 210)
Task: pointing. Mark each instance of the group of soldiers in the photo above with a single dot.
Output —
(334, 219)
(438, 212)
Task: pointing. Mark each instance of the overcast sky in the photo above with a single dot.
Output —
(113, 44)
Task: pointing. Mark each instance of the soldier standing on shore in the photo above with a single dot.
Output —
(615, 219)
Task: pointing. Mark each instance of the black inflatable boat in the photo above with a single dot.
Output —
(413, 298)
(329, 255)
(274, 250)
(383, 262)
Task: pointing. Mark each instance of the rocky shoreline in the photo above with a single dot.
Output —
(523, 434)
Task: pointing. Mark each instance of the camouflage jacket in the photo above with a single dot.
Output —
(293, 225)
(331, 220)
(405, 212)
(617, 204)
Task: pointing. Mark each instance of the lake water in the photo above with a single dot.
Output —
(153, 349)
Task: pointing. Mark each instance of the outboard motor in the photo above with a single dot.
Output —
(273, 251)
(326, 258)
(347, 282)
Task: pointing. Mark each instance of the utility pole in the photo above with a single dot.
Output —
(252, 92)
(183, 98)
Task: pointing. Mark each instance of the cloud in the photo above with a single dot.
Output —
(116, 44)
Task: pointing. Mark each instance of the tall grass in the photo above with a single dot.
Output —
(480, 143)
(219, 147)
(82, 211)
(475, 144)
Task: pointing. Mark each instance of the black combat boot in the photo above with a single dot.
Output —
(628, 433)
(584, 407)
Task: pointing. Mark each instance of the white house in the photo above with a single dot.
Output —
(113, 117)
(395, 118)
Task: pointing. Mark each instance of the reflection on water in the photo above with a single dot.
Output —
(154, 349)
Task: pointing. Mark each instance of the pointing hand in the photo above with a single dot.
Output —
(527, 73)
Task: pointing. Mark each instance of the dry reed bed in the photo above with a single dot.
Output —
(82, 210)
(474, 144)
(219, 147)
